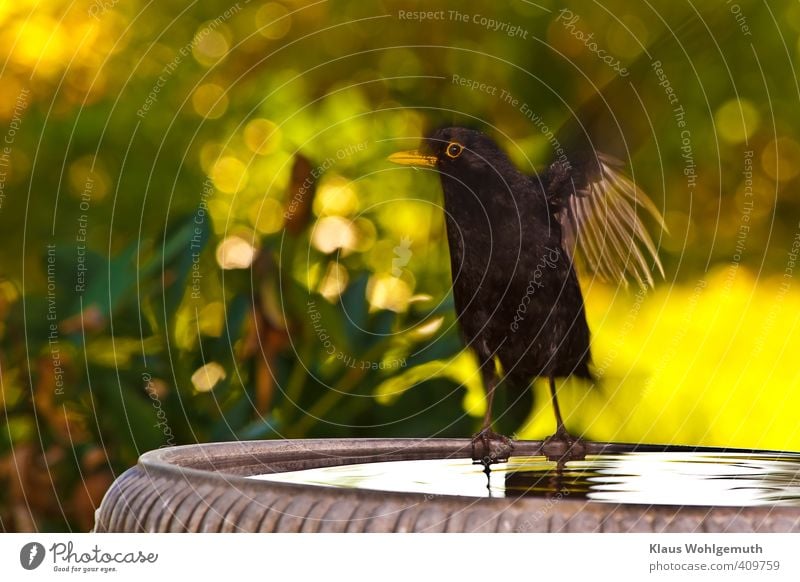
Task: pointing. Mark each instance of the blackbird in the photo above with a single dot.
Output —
(515, 240)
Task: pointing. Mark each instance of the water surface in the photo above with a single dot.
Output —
(684, 478)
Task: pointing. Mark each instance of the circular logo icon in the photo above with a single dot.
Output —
(31, 555)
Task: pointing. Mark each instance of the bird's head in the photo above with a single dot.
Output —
(455, 151)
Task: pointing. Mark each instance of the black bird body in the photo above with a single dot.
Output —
(514, 243)
(516, 293)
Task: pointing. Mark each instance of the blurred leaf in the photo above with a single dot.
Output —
(462, 370)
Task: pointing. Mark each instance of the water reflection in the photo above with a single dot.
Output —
(644, 478)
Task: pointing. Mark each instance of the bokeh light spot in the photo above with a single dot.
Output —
(229, 174)
(737, 120)
(267, 217)
(234, 252)
(334, 282)
(332, 233)
(210, 101)
(780, 159)
(273, 21)
(387, 292)
(262, 136)
(88, 180)
(336, 196)
(207, 377)
(210, 47)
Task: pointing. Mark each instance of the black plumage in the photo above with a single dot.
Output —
(514, 240)
(515, 290)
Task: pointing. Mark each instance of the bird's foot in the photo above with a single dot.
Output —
(562, 446)
(488, 447)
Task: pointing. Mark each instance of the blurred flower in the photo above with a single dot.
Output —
(387, 292)
(235, 253)
(204, 379)
(332, 233)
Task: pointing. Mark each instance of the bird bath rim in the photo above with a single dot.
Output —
(206, 487)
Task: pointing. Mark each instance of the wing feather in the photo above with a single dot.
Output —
(599, 208)
(602, 227)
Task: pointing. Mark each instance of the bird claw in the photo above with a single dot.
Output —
(488, 447)
(562, 446)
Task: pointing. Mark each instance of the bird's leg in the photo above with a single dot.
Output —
(561, 446)
(561, 430)
(490, 380)
(487, 446)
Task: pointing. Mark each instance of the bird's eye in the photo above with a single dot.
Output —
(454, 149)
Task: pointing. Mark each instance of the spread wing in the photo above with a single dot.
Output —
(601, 225)
(600, 208)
